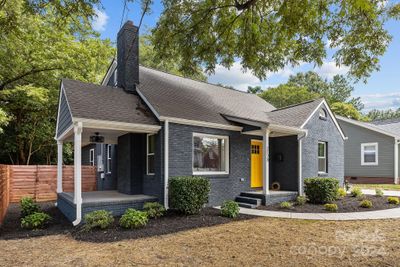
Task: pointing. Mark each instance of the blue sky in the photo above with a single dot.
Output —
(381, 91)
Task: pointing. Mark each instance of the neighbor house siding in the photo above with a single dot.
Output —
(223, 187)
(65, 118)
(325, 131)
(358, 135)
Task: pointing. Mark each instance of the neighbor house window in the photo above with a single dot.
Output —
(109, 158)
(369, 154)
(210, 154)
(151, 144)
(322, 157)
(91, 157)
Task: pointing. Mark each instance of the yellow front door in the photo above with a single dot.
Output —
(256, 164)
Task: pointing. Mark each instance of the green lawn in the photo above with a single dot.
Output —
(381, 186)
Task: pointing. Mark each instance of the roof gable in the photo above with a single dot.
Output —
(369, 126)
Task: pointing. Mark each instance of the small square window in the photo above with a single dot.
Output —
(369, 154)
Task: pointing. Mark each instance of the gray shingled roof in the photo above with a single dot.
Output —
(390, 125)
(294, 116)
(175, 96)
(99, 102)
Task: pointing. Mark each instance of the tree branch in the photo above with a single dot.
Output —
(21, 76)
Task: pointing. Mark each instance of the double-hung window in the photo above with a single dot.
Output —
(369, 154)
(151, 144)
(91, 157)
(109, 159)
(322, 157)
(210, 154)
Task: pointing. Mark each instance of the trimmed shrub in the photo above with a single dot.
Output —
(35, 220)
(331, 207)
(321, 190)
(393, 200)
(188, 194)
(341, 193)
(301, 200)
(28, 206)
(101, 219)
(230, 209)
(154, 209)
(378, 192)
(356, 192)
(286, 205)
(366, 204)
(133, 219)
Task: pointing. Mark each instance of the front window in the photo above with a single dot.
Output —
(210, 154)
(109, 158)
(151, 144)
(322, 157)
(91, 157)
(369, 154)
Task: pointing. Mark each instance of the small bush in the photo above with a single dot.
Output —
(133, 219)
(356, 192)
(101, 219)
(286, 205)
(230, 209)
(341, 193)
(321, 190)
(28, 206)
(35, 220)
(188, 194)
(154, 209)
(366, 204)
(301, 200)
(378, 192)
(331, 207)
(393, 200)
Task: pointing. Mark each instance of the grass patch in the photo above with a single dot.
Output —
(380, 186)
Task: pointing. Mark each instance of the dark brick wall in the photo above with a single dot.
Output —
(223, 187)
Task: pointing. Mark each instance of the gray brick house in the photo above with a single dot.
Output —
(142, 126)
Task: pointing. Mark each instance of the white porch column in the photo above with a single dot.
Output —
(166, 162)
(78, 171)
(265, 165)
(300, 163)
(59, 166)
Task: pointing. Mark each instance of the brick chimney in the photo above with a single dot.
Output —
(128, 57)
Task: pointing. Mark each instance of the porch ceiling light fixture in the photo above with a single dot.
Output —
(96, 138)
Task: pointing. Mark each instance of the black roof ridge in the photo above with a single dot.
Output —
(299, 104)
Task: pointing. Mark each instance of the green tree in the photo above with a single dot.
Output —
(346, 110)
(3, 120)
(254, 90)
(286, 95)
(149, 58)
(376, 114)
(267, 35)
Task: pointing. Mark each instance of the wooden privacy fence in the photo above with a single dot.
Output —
(39, 182)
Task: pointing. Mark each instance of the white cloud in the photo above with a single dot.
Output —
(100, 21)
(241, 80)
(330, 69)
(381, 101)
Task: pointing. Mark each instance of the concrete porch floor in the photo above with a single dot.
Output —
(107, 196)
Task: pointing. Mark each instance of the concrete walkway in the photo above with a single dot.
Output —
(385, 192)
(365, 215)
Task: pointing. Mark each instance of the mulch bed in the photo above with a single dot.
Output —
(172, 222)
(346, 204)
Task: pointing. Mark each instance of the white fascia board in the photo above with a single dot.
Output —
(117, 126)
(330, 114)
(148, 104)
(201, 123)
(110, 70)
(367, 126)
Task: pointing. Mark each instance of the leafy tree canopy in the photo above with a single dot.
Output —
(268, 35)
(149, 58)
(254, 90)
(346, 110)
(285, 95)
(383, 114)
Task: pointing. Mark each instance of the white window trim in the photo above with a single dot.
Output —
(324, 157)
(226, 138)
(109, 158)
(91, 161)
(363, 163)
(148, 154)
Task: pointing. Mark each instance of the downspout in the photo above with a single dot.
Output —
(166, 162)
(396, 161)
(300, 161)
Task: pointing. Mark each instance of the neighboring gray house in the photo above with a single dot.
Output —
(372, 151)
(158, 125)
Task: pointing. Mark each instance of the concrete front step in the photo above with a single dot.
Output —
(247, 205)
(249, 200)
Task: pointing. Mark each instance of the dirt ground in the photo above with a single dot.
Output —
(254, 242)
